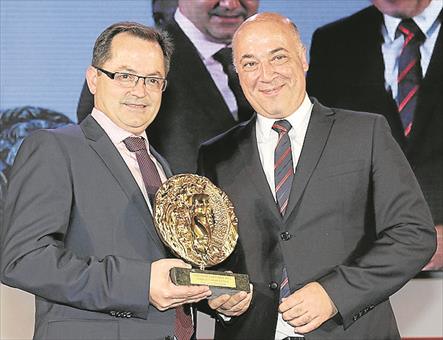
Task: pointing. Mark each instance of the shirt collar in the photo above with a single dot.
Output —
(298, 120)
(114, 132)
(205, 47)
(425, 20)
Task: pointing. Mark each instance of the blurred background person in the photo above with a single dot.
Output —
(203, 97)
(388, 59)
(163, 11)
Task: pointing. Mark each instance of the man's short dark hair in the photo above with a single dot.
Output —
(102, 47)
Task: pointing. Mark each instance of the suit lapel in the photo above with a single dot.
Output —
(371, 69)
(162, 161)
(316, 137)
(251, 158)
(102, 145)
(429, 93)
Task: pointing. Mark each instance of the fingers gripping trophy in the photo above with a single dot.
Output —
(196, 220)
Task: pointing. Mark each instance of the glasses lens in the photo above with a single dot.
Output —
(126, 79)
(154, 83)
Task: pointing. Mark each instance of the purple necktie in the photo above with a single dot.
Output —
(183, 321)
(283, 176)
(148, 170)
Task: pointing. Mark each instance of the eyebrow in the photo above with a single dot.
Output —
(250, 56)
(246, 56)
(278, 50)
(125, 69)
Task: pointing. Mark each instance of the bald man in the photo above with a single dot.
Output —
(331, 218)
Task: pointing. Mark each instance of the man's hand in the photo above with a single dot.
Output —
(164, 294)
(232, 305)
(307, 308)
(436, 262)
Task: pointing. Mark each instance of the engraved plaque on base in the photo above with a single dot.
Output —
(196, 220)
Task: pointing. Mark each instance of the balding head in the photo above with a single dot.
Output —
(272, 18)
(271, 63)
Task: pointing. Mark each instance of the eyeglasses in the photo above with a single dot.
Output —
(129, 80)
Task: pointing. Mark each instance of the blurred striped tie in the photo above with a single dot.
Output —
(409, 72)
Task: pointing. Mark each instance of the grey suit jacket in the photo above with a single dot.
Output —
(356, 222)
(79, 235)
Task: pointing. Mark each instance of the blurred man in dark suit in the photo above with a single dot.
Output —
(388, 59)
(203, 97)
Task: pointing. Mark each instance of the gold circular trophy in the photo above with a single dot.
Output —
(196, 220)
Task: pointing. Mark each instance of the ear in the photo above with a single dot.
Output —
(303, 59)
(91, 79)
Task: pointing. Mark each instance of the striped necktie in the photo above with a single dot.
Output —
(409, 72)
(283, 176)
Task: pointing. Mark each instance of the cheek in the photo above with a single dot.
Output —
(249, 82)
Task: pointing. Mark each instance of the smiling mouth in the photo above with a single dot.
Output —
(229, 19)
(135, 106)
(272, 91)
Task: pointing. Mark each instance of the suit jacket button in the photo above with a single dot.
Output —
(273, 285)
(285, 236)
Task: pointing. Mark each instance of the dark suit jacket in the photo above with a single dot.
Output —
(356, 222)
(79, 235)
(192, 110)
(347, 70)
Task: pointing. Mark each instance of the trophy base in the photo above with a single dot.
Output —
(219, 282)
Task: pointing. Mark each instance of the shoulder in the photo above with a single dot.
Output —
(347, 26)
(53, 139)
(348, 119)
(364, 125)
(231, 137)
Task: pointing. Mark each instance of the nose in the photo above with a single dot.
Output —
(267, 72)
(139, 90)
(230, 4)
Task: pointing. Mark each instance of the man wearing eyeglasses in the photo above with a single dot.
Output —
(203, 97)
(78, 230)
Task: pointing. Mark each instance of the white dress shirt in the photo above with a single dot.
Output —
(267, 141)
(117, 135)
(428, 23)
(207, 49)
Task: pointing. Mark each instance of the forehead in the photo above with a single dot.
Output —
(265, 37)
(129, 49)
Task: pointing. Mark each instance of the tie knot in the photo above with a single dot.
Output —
(281, 126)
(134, 144)
(224, 56)
(410, 30)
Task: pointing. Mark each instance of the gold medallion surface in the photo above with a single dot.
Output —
(195, 219)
